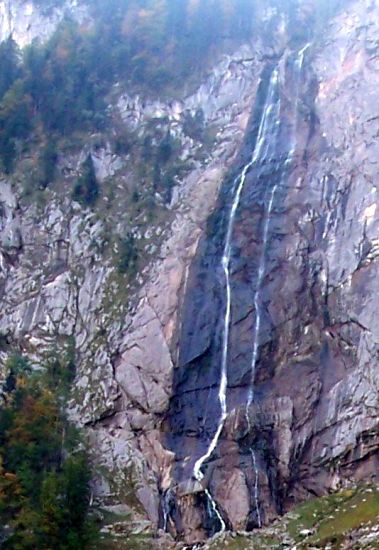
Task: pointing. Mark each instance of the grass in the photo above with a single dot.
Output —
(309, 514)
(331, 519)
(235, 543)
(359, 510)
(335, 516)
(129, 542)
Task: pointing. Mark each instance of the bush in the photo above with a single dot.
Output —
(86, 189)
(127, 261)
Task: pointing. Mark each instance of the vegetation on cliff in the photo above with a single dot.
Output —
(345, 519)
(44, 472)
(156, 48)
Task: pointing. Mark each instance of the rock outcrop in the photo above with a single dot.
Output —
(58, 287)
(25, 21)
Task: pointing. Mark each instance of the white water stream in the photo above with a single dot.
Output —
(166, 509)
(270, 113)
(262, 268)
(264, 151)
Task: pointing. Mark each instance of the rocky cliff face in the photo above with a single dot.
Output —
(26, 21)
(239, 375)
(301, 341)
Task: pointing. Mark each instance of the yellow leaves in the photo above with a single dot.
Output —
(36, 419)
(12, 99)
(10, 477)
(144, 22)
(9, 485)
(21, 381)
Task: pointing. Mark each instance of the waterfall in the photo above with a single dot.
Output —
(256, 488)
(262, 265)
(166, 509)
(264, 150)
(269, 120)
(215, 511)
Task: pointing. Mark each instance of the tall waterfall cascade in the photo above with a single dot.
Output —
(264, 152)
(189, 267)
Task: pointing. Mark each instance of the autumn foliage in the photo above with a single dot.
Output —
(44, 475)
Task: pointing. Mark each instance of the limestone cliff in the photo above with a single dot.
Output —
(303, 285)
(26, 21)
(262, 267)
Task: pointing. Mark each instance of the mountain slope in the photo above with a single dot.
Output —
(142, 206)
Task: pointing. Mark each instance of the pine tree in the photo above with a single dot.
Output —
(86, 189)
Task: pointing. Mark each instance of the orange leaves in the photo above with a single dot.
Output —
(35, 419)
(10, 489)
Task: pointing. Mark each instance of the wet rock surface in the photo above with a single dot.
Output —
(313, 421)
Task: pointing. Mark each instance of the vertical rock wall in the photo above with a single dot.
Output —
(24, 21)
(313, 423)
(147, 383)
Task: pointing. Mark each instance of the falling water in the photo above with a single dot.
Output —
(215, 511)
(166, 509)
(256, 488)
(270, 116)
(262, 269)
(264, 150)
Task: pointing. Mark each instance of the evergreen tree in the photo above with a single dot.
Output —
(44, 479)
(47, 163)
(86, 189)
(9, 65)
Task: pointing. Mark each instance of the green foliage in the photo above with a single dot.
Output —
(127, 260)
(47, 163)
(61, 87)
(122, 143)
(44, 476)
(16, 366)
(86, 189)
(159, 160)
(4, 343)
(9, 67)
(165, 149)
(15, 125)
(62, 79)
(193, 125)
(60, 369)
(332, 517)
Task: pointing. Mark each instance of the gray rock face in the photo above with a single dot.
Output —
(313, 423)
(57, 286)
(148, 375)
(25, 21)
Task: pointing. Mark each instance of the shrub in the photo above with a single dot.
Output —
(127, 261)
(86, 189)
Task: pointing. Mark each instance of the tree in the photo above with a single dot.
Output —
(86, 189)
(47, 163)
(15, 125)
(44, 478)
(10, 65)
(127, 255)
